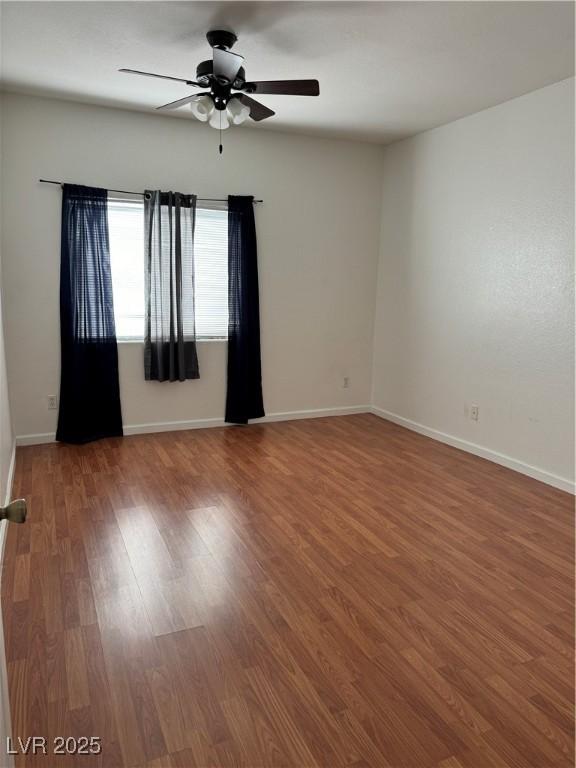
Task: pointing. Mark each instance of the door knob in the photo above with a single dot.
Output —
(15, 512)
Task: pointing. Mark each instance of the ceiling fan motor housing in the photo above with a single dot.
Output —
(205, 77)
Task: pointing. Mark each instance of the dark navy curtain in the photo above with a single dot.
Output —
(89, 387)
(244, 390)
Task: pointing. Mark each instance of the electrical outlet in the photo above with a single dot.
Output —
(345, 382)
(474, 412)
(52, 402)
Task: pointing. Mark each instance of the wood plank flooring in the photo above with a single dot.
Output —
(332, 592)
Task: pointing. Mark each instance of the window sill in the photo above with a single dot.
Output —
(198, 341)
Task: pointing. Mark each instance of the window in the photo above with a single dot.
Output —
(211, 273)
(126, 229)
(126, 232)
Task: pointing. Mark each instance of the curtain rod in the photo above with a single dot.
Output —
(124, 192)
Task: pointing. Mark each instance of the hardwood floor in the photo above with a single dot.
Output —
(332, 592)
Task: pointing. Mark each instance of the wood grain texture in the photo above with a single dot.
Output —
(337, 592)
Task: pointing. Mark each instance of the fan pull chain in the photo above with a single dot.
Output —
(220, 146)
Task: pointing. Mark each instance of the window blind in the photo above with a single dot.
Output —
(126, 233)
(211, 273)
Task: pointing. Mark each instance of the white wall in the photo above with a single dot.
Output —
(318, 236)
(475, 287)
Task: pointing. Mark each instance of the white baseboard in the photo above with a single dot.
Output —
(478, 450)
(173, 426)
(315, 413)
(38, 439)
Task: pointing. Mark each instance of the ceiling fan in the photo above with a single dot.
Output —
(226, 100)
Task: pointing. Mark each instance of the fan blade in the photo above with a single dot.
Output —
(163, 77)
(180, 102)
(284, 87)
(226, 65)
(257, 111)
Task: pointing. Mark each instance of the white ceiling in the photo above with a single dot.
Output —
(386, 69)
